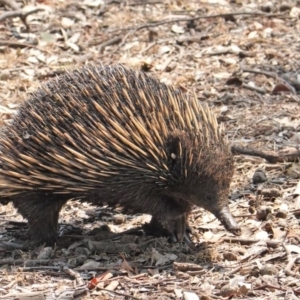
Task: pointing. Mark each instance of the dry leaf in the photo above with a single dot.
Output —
(190, 296)
(177, 29)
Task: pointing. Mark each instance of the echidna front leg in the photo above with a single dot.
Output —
(169, 214)
(42, 211)
(176, 230)
(180, 229)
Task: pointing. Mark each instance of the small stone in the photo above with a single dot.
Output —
(266, 8)
(263, 212)
(230, 256)
(281, 214)
(190, 296)
(72, 262)
(76, 261)
(251, 210)
(268, 227)
(246, 270)
(284, 7)
(228, 291)
(255, 271)
(295, 12)
(119, 219)
(268, 269)
(45, 253)
(5, 75)
(259, 176)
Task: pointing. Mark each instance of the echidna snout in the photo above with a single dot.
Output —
(228, 221)
(211, 193)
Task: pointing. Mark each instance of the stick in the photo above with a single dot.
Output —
(271, 244)
(19, 13)
(291, 262)
(254, 88)
(157, 23)
(118, 294)
(10, 3)
(286, 81)
(288, 155)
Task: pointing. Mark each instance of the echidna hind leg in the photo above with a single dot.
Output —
(41, 211)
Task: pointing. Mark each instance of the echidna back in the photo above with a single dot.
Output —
(98, 126)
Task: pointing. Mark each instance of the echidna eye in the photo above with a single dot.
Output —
(208, 197)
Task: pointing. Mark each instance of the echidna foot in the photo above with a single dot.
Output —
(176, 230)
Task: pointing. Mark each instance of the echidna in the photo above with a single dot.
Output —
(111, 134)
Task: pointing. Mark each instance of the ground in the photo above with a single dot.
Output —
(240, 57)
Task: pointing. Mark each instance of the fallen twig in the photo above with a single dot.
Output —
(284, 79)
(271, 244)
(157, 23)
(8, 245)
(109, 42)
(40, 268)
(124, 39)
(268, 74)
(271, 286)
(24, 295)
(254, 88)
(285, 155)
(111, 247)
(10, 3)
(229, 51)
(126, 296)
(19, 13)
(17, 44)
(29, 262)
(291, 262)
(145, 2)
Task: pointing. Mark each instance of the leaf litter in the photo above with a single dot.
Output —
(242, 58)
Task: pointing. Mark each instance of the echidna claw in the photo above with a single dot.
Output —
(176, 230)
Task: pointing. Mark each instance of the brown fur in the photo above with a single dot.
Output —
(115, 135)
